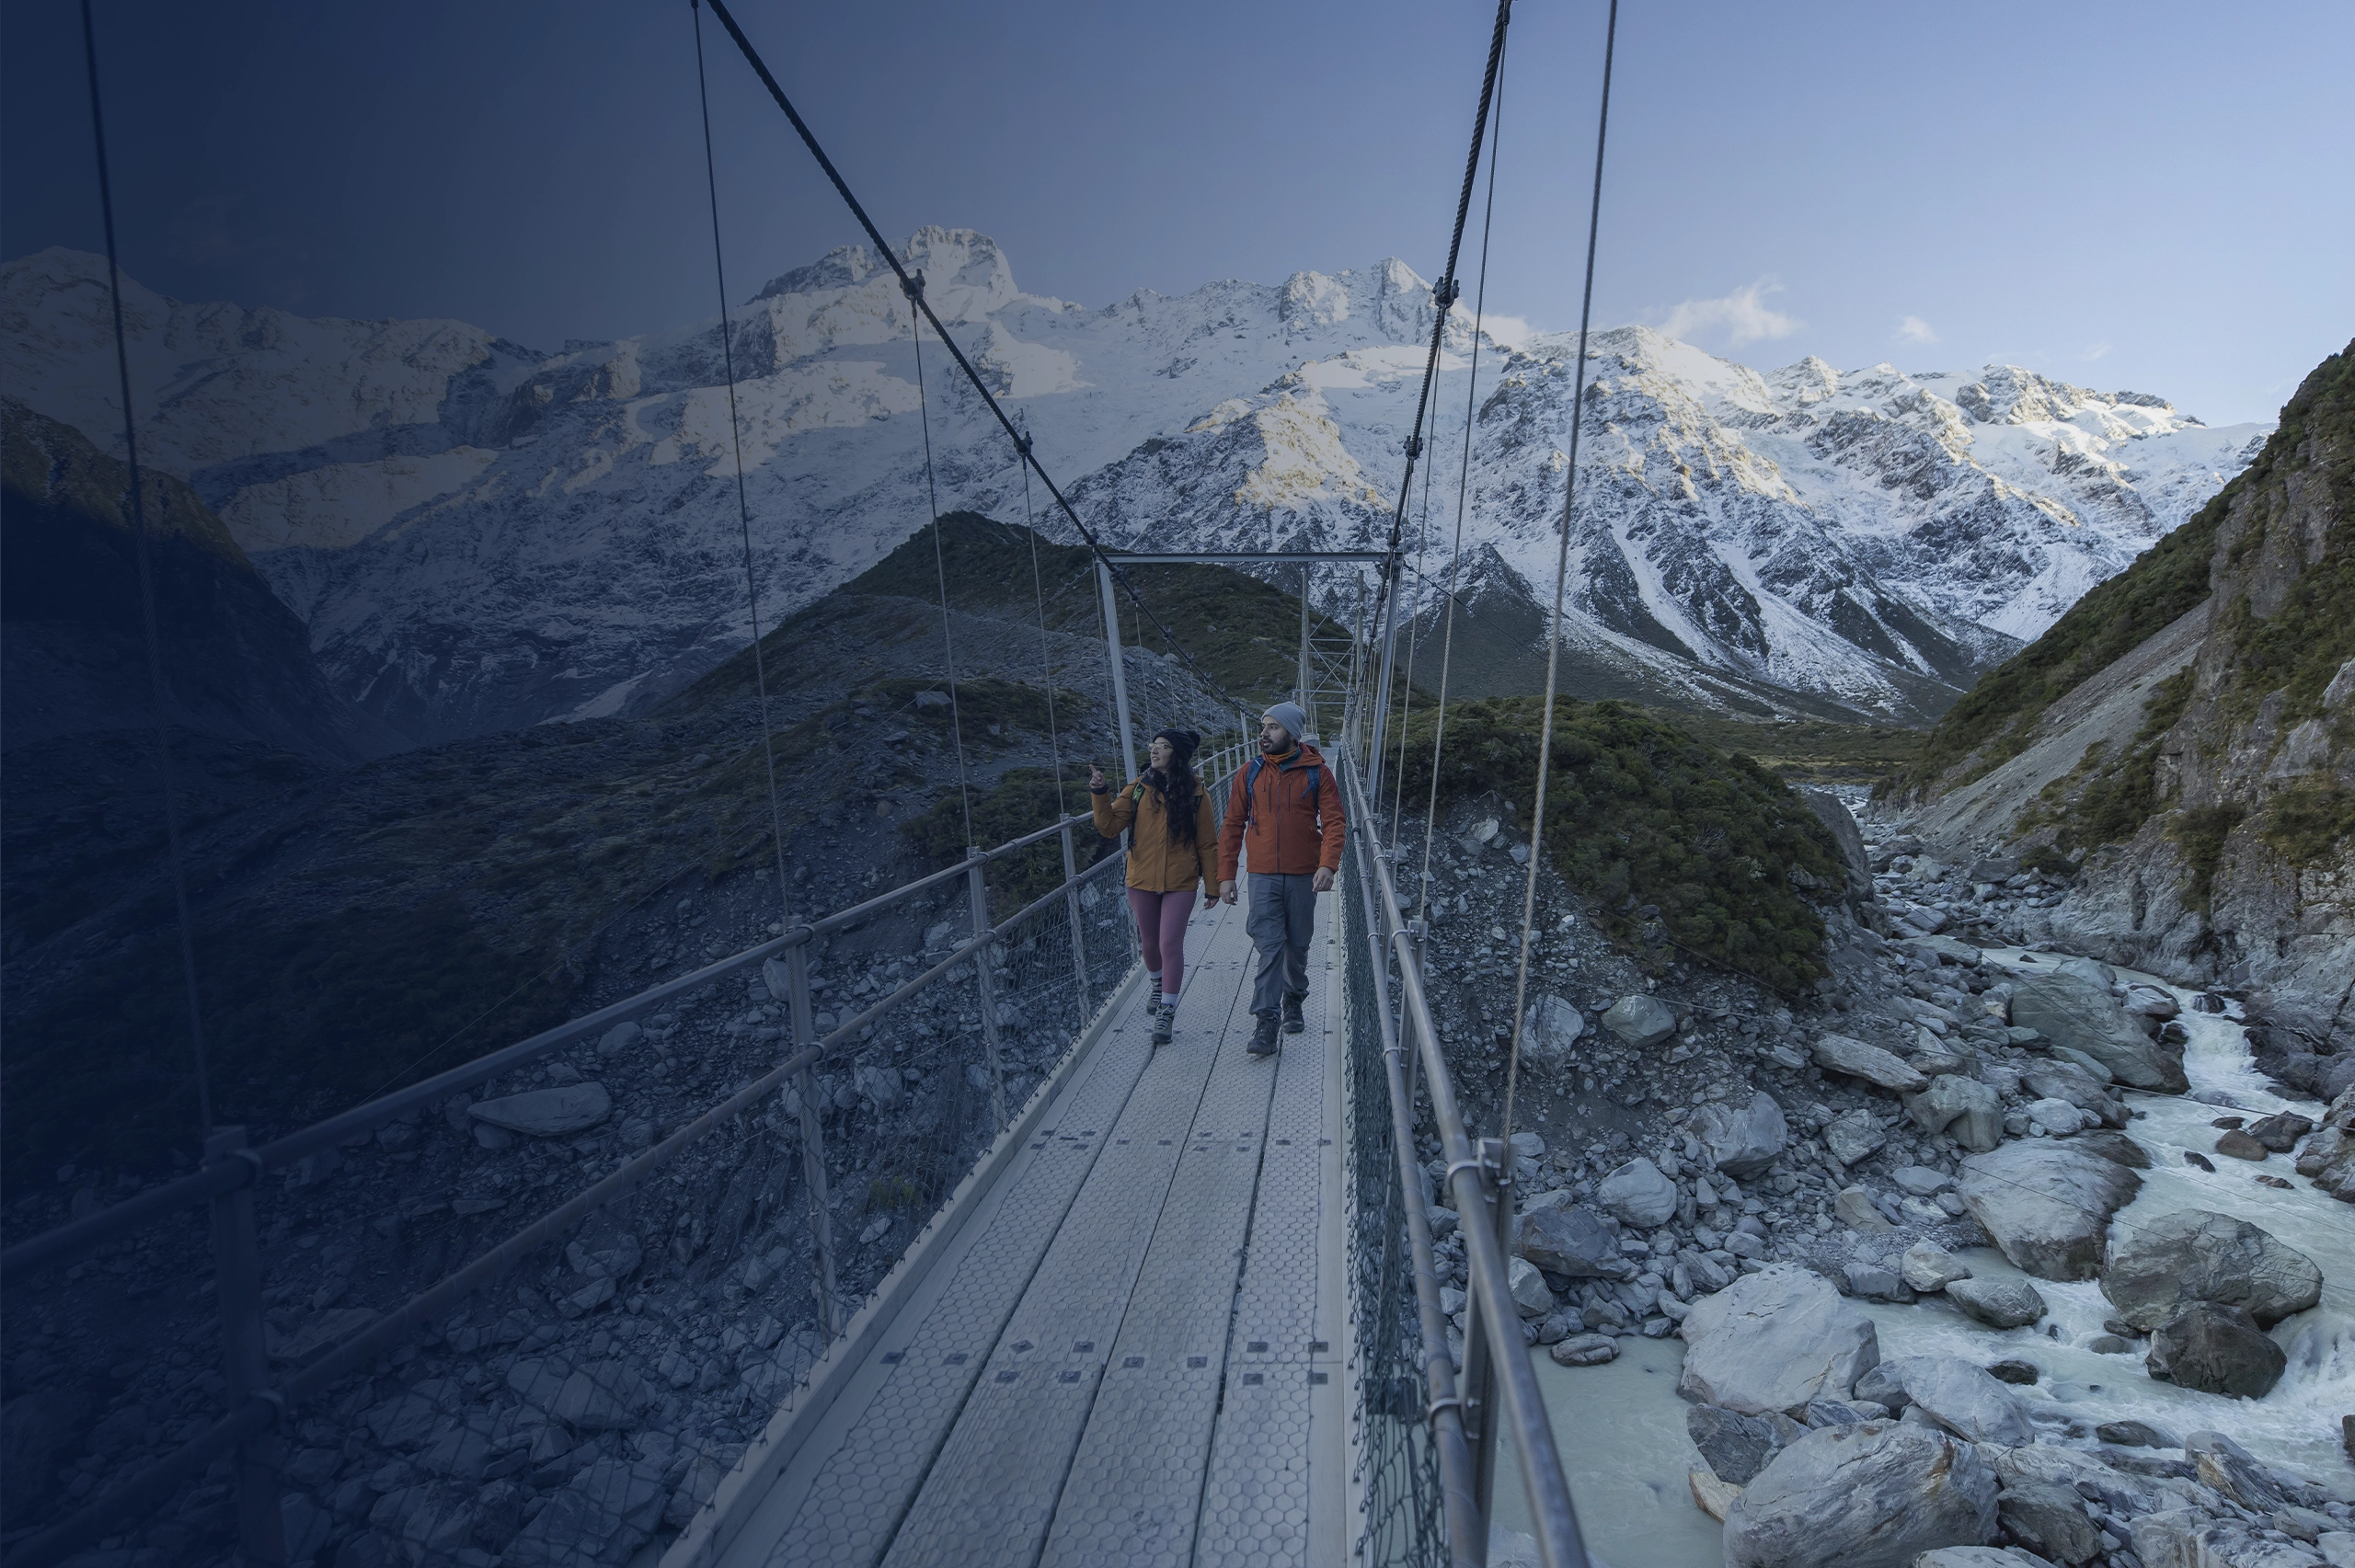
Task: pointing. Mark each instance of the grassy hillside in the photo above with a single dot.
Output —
(1678, 843)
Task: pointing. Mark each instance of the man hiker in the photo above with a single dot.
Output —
(1285, 811)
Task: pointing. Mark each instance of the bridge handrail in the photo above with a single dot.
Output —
(267, 1406)
(1480, 1178)
(78, 1238)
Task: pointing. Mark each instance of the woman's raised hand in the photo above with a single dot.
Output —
(1096, 778)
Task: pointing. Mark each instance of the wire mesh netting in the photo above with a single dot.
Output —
(1397, 1466)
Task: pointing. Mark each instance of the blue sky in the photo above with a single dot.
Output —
(2156, 197)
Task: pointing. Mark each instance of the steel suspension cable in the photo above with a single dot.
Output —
(1561, 579)
(940, 562)
(891, 258)
(1442, 298)
(175, 853)
(1046, 647)
(1462, 491)
(1414, 643)
(744, 506)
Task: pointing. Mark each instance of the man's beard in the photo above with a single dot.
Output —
(1275, 748)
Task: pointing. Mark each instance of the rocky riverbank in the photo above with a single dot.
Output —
(1923, 1257)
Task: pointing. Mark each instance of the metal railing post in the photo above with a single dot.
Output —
(1078, 937)
(795, 965)
(978, 890)
(245, 1360)
(1480, 1409)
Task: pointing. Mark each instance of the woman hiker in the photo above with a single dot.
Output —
(1172, 853)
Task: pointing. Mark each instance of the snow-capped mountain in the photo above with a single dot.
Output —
(481, 536)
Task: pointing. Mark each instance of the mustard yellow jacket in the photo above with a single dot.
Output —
(1155, 863)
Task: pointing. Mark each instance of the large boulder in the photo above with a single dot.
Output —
(2065, 1081)
(1636, 1194)
(1843, 1053)
(1551, 1029)
(1970, 1109)
(2073, 1011)
(1571, 1240)
(2159, 1266)
(1640, 1019)
(1870, 1494)
(1854, 1134)
(1960, 1397)
(2218, 1350)
(2047, 1206)
(1742, 1140)
(547, 1113)
(1531, 1295)
(1774, 1340)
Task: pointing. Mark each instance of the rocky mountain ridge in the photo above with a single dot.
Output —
(482, 536)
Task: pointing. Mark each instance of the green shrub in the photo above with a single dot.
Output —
(1653, 825)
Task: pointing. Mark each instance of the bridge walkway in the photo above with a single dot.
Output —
(1130, 1352)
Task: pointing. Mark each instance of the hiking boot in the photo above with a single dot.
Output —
(1263, 1039)
(1293, 1021)
(1165, 1023)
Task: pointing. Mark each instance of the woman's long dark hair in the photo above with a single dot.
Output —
(1178, 788)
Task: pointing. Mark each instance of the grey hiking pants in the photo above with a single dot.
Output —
(1283, 915)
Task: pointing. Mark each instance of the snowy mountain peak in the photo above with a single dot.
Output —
(481, 536)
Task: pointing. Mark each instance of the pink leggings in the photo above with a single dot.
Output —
(1161, 931)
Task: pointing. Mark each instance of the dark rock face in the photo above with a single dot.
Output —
(2048, 1519)
(2218, 1350)
(1737, 1446)
(2152, 1273)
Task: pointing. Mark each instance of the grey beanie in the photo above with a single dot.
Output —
(1289, 716)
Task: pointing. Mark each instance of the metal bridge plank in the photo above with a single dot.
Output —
(1255, 1503)
(860, 1492)
(1135, 1483)
(992, 1492)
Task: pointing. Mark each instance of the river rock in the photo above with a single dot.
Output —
(1961, 1397)
(2280, 1131)
(2047, 1206)
(1741, 1141)
(593, 1396)
(1640, 1019)
(1977, 1557)
(1852, 1135)
(1998, 1303)
(1964, 1106)
(1712, 1495)
(2218, 1350)
(2065, 1081)
(546, 1113)
(1569, 1240)
(1531, 1295)
(1775, 1340)
(2049, 1518)
(1636, 1194)
(1856, 1206)
(2186, 1538)
(2056, 1117)
(1550, 1029)
(618, 1040)
(2071, 1011)
(1871, 1496)
(1840, 1053)
(1584, 1350)
(1737, 1446)
(1928, 1266)
(2151, 1272)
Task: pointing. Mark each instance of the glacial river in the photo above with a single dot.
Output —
(1621, 1427)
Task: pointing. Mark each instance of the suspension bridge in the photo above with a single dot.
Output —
(1175, 1305)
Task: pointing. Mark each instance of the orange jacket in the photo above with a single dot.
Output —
(1288, 817)
(1156, 864)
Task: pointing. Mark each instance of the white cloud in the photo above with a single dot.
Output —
(1743, 314)
(2097, 350)
(1913, 329)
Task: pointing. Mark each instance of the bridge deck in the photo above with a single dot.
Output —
(1130, 1351)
